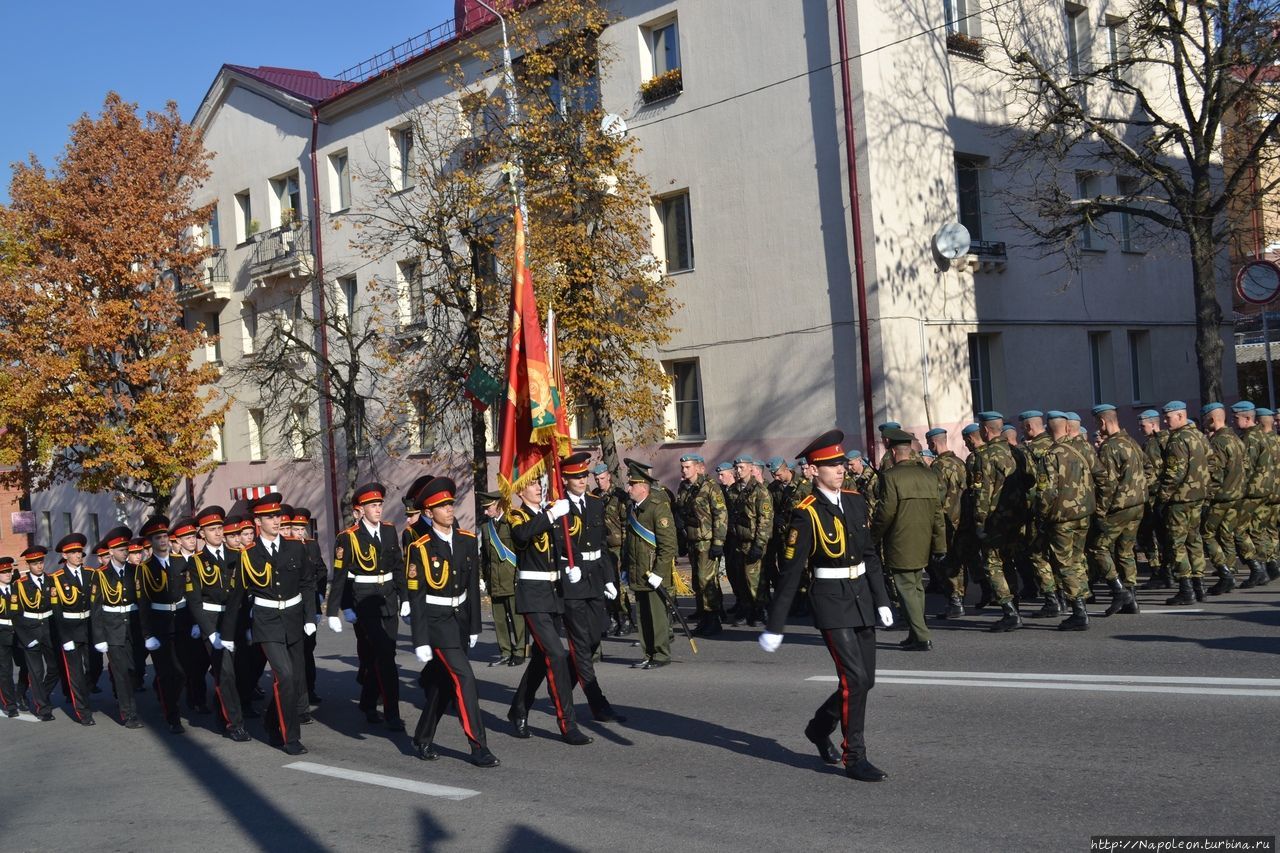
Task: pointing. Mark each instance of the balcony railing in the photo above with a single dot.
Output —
(207, 281)
(283, 250)
(988, 250)
(965, 45)
(664, 86)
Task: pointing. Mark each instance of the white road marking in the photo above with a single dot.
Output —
(411, 785)
(1262, 687)
(23, 716)
(1147, 611)
(1056, 676)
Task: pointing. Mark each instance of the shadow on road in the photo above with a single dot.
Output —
(1260, 645)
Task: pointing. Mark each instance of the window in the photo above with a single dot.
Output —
(664, 46)
(245, 225)
(675, 231)
(684, 414)
(1117, 50)
(339, 182)
(969, 188)
(94, 535)
(420, 425)
(484, 263)
(288, 198)
(984, 366)
(217, 435)
(347, 292)
(66, 525)
(250, 317)
(213, 235)
(402, 157)
(583, 425)
(1077, 40)
(1140, 364)
(298, 432)
(46, 527)
(255, 434)
(1127, 188)
(413, 308)
(962, 17)
(213, 340)
(1101, 366)
(1088, 186)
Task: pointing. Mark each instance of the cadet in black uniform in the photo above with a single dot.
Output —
(443, 579)
(33, 622)
(829, 534)
(113, 623)
(302, 532)
(9, 649)
(74, 590)
(161, 595)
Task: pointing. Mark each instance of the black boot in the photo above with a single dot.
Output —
(1197, 588)
(1050, 608)
(1273, 570)
(710, 626)
(1226, 581)
(1010, 621)
(955, 608)
(1257, 575)
(1079, 618)
(1130, 602)
(1186, 595)
(1118, 598)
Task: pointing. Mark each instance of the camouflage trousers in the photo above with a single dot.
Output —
(1038, 555)
(1218, 529)
(706, 573)
(1182, 527)
(993, 559)
(1151, 539)
(1256, 530)
(1110, 546)
(1065, 540)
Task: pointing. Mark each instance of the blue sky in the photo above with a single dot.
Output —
(59, 58)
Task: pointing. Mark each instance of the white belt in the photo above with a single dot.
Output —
(538, 576)
(75, 614)
(169, 608)
(373, 578)
(840, 574)
(585, 556)
(276, 605)
(125, 608)
(8, 622)
(39, 616)
(212, 608)
(444, 600)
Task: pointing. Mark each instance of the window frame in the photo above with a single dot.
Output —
(340, 181)
(664, 239)
(653, 32)
(671, 368)
(976, 166)
(257, 434)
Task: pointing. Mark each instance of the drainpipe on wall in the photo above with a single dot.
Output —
(326, 407)
(855, 217)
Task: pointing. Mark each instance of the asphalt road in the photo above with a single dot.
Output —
(1163, 723)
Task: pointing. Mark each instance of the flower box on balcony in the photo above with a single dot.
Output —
(666, 85)
(966, 46)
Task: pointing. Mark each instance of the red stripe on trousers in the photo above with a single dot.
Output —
(551, 679)
(462, 706)
(844, 697)
(66, 665)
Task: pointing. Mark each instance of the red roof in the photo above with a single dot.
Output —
(307, 85)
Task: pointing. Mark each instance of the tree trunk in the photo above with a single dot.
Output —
(351, 469)
(479, 459)
(604, 427)
(1208, 311)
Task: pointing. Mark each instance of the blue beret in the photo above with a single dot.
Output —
(969, 429)
(692, 457)
(990, 416)
(1174, 406)
(853, 454)
(1054, 414)
(1102, 407)
(1008, 428)
(1084, 433)
(599, 468)
(1264, 413)
(935, 431)
(1029, 414)
(1072, 416)
(1242, 406)
(1148, 414)
(929, 454)
(1210, 407)
(888, 425)
(725, 466)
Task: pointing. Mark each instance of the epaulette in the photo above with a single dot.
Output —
(590, 495)
(464, 532)
(851, 491)
(806, 503)
(56, 573)
(518, 512)
(423, 538)
(351, 529)
(387, 524)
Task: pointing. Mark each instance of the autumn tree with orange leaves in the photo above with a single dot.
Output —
(97, 383)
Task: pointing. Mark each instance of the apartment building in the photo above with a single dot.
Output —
(739, 109)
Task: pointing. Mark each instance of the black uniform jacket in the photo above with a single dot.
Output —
(115, 605)
(357, 555)
(280, 589)
(438, 571)
(73, 605)
(535, 552)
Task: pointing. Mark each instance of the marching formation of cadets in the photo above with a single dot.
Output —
(1036, 513)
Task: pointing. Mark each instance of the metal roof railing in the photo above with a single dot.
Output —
(401, 53)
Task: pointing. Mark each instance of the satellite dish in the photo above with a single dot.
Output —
(952, 241)
(613, 126)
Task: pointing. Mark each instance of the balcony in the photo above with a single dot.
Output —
(207, 282)
(664, 86)
(987, 256)
(282, 251)
(965, 45)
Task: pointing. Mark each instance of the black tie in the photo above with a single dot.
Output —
(75, 573)
(274, 545)
(218, 554)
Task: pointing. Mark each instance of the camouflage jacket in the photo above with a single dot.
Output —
(701, 512)
(951, 485)
(1185, 474)
(995, 464)
(783, 497)
(751, 518)
(1064, 484)
(1274, 442)
(1261, 459)
(1120, 479)
(803, 488)
(1227, 470)
(1082, 444)
(1153, 450)
(615, 515)
(867, 484)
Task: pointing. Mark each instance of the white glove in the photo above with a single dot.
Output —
(558, 509)
(152, 644)
(101, 648)
(33, 644)
(610, 591)
(309, 628)
(195, 632)
(574, 574)
(349, 615)
(770, 642)
(69, 646)
(653, 580)
(215, 640)
(471, 642)
(484, 587)
(404, 608)
(886, 615)
(423, 653)
(335, 624)
(229, 646)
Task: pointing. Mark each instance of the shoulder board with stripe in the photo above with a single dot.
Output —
(806, 503)
(850, 491)
(351, 529)
(597, 497)
(518, 514)
(57, 573)
(388, 524)
(420, 540)
(465, 532)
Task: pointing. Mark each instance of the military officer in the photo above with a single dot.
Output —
(648, 558)
(498, 569)
(950, 472)
(368, 590)
(113, 622)
(1227, 480)
(701, 513)
(886, 458)
(781, 490)
(830, 537)
(73, 591)
(909, 528)
(1266, 421)
(1080, 438)
(1120, 482)
(9, 648)
(184, 537)
(442, 578)
(301, 531)
(1184, 484)
(751, 518)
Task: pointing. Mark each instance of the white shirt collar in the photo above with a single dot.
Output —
(832, 495)
(267, 543)
(447, 538)
(373, 529)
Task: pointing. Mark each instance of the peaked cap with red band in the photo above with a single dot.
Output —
(438, 492)
(826, 449)
(369, 493)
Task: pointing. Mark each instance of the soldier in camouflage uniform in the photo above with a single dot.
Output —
(1120, 483)
(702, 517)
(861, 478)
(621, 615)
(1079, 436)
(991, 518)
(751, 520)
(782, 494)
(969, 564)
(1227, 478)
(950, 472)
(1064, 503)
(1266, 422)
(1035, 443)
(1151, 538)
(1184, 484)
(1255, 538)
(886, 459)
